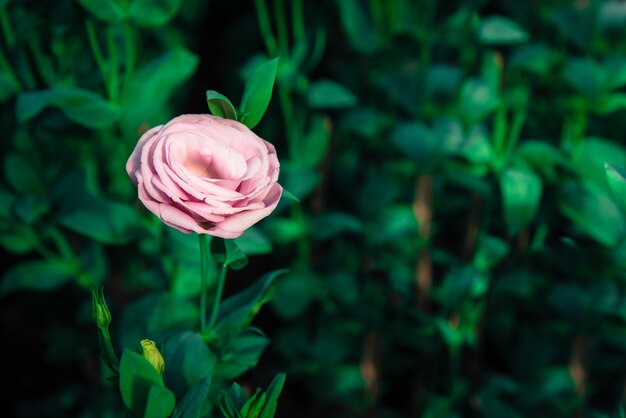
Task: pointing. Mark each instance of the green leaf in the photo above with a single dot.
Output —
(490, 250)
(80, 106)
(616, 176)
(298, 179)
(615, 70)
(257, 93)
(154, 315)
(21, 173)
(106, 10)
(521, 193)
(241, 353)
(238, 395)
(254, 405)
(313, 147)
(610, 104)
(367, 122)
(358, 27)
(402, 84)
(458, 285)
(219, 105)
(8, 86)
(331, 224)
(137, 377)
(328, 94)
(39, 275)
(592, 156)
(477, 100)
(237, 311)
(499, 30)
(592, 210)
(147, 100)
(579, 24)
(160, 404)
(273, 392)
(295, 293)
(16, 238)
(443, 80)
(416, 141)
(153, 13)
(6, 202)
(399, 222)
(188, 361)
(30, 208)
(290, 196)
(191, 406)
(536, 58)
(102, 220)
(254, 242)
(544, 158)
(228, 408)
(283, 231)
(236, 259)
(228, 252)
(586, 77)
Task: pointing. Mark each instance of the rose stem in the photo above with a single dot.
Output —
(204, 272)
(218, 295)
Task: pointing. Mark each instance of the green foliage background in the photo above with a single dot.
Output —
(456, 252)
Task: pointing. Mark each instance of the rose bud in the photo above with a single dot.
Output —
(153, 355)
(100, 314)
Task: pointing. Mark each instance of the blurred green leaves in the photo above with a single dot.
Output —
(521, 193)
(101, 220)
(8, 85)
(146, 99)
(616, 176)
(500, 30)
(153, 12)
(149, 13)
(40, 275)
(329, 94)
(191, 405)
(108, 10)
(80, 106)
(593, 211)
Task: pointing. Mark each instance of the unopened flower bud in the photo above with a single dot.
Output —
(152, 354)
(99, 310)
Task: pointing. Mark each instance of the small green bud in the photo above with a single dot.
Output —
(152, 354)
(99, 310)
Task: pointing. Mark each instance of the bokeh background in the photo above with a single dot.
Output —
(456, 252)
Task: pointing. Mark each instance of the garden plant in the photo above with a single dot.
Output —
(333, 208)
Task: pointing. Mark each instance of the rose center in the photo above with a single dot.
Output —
(200, 165)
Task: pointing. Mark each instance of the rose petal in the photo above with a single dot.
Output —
(245, 219)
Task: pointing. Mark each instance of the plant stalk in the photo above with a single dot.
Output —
(422, 208)
(129, 55)
(108, 348)
(204, 278)
(266, 27)
(218, 295)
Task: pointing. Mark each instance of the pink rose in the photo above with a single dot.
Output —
(204, 174)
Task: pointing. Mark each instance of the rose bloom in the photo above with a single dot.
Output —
(204, 174)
